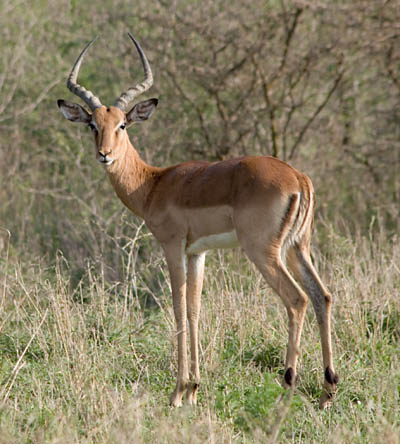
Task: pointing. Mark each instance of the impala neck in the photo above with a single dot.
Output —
(132, 179)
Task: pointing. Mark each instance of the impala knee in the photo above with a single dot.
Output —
(301, 302)
(297, 308)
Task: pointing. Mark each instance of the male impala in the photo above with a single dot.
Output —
(259, 203)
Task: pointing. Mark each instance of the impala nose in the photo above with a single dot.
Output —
(104, 159)
(104, 154)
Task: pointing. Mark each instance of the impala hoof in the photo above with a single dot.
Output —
(175, 401)
(330, 388)
(325, 401)
(191, 393)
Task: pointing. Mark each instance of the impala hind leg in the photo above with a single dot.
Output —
(176, 266)
(295, 300)
(194, 285)
(299, 262)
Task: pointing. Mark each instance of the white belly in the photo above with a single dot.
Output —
(222, 240)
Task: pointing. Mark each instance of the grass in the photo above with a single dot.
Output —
(87, 336)
(91, 362)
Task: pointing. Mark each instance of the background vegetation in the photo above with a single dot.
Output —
(86, 325)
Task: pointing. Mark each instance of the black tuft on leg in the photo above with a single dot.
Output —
(289, 377)
(330, 376)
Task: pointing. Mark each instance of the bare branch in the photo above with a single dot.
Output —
(270, 108)
(289, 35)
(315, 114)
(195, 107)
(33, 105)
(389, 66)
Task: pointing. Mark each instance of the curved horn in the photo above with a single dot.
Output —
(127, 97)
(87, 96)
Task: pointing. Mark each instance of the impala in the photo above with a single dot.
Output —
(259, 203)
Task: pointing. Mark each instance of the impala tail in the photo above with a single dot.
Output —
(298, 221)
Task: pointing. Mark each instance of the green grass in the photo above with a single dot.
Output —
(96, 362)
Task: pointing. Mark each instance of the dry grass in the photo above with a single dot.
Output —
(87, 340)
(92, 363)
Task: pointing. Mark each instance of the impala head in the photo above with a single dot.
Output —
(109, 124)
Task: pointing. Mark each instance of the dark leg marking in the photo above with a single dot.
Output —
(330, 376)
(289, 376)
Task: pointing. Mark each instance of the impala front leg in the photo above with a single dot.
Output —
(195, 274)
(177, 270)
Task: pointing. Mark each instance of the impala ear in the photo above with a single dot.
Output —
(141, 111)
(74, 112)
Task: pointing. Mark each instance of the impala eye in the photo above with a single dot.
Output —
(92, 127)
(122, 126)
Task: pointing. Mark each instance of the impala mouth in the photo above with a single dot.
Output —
(106, 161)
